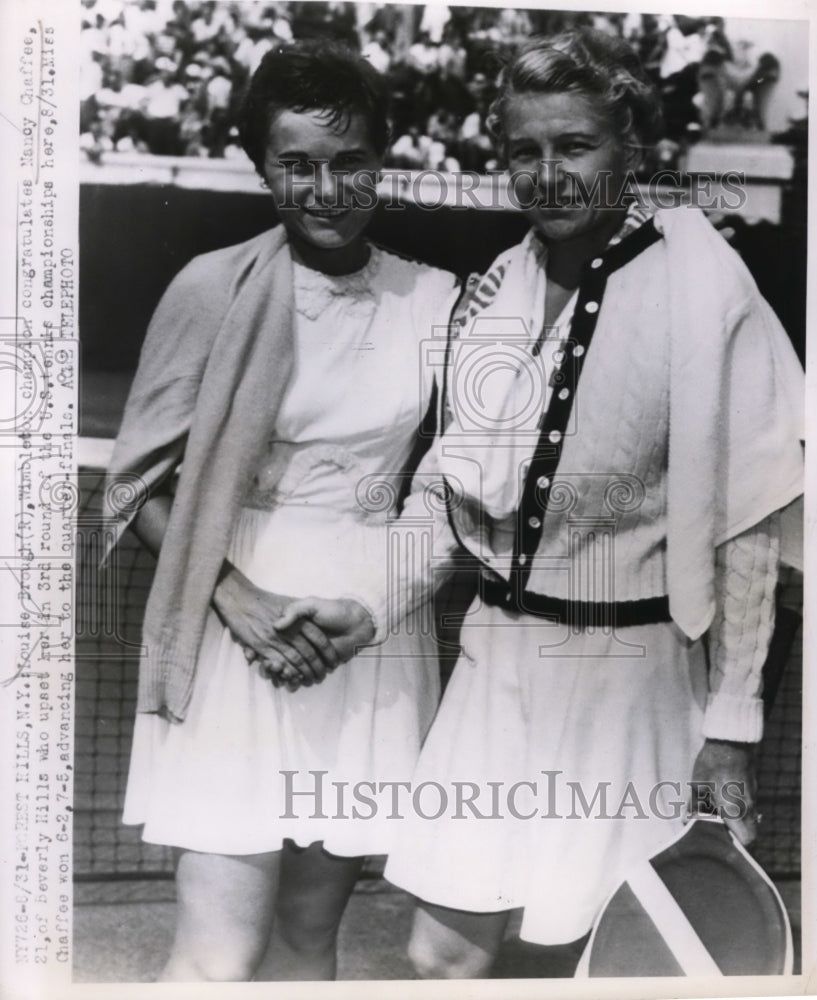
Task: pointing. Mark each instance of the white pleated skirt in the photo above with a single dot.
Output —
(562, 759)
(252, 765)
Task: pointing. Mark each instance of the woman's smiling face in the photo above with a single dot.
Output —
(322, 177)
(558, 146)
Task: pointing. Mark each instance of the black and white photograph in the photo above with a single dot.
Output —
(407, 512)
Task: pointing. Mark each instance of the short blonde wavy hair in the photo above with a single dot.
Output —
(591, 63)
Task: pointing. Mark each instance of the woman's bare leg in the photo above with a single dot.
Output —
(225, 912)
(313, 892)
(455, 944)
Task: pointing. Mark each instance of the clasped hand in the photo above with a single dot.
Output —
(294, 642)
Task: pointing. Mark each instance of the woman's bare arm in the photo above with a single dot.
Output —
(150, 523)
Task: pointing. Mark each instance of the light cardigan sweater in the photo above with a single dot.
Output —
(713, 389)
(691, 390)
(213, 368)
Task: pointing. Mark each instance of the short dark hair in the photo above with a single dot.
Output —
(313, 76)
(589, 62)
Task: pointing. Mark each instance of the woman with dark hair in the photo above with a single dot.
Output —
(285, 374)
(622, 438)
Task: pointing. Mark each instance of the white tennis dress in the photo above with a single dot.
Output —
(227, 779)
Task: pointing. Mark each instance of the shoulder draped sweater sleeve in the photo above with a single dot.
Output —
(213, 368)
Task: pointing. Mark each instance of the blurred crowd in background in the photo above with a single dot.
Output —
(166, 76)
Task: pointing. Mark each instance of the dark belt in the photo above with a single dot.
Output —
(581, 614)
